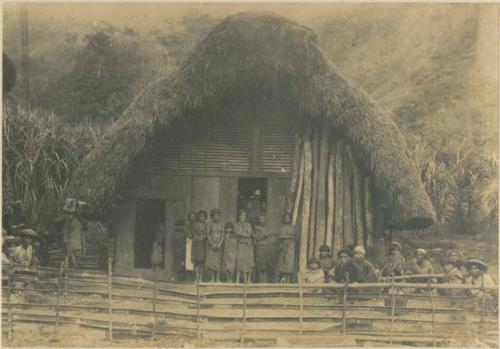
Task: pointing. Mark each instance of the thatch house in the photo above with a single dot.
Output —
(259, 118)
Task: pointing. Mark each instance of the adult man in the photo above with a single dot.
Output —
(265, 250)
(478, 277)
(368, 271)
(346, 270)
(395, 262)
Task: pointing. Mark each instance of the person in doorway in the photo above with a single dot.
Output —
(395, 262)
(158, 245)
(478, 276)
(245, 257)
(326, 261)
(198, 253)
(368, 271)
(264, 250)
(187, 262)
(72, 233)
(230, 251)
(215, 239)
(286, 258)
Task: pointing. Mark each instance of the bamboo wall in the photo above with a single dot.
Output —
(330, 197)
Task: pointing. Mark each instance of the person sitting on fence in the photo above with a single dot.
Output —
(230, 251)
(395, 262)
(15, 250)
(215, 239)
(368, 271)
(478, 277)
(326, 261)
(419, 265)
(346, 270)
(452, 275)
(314, 274)
(456, 258)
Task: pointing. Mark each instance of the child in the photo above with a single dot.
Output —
(264, 251)
(314, 274)
(244, 256)
(230, 247)
(198, 253)
(215, 238)
(326, 261)
(157, 250)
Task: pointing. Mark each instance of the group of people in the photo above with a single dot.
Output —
(235, 250)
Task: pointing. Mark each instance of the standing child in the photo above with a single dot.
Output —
(230, 251)
(198, 253)
(244, 257)
(286, 259)
(215, 238)
(264, 250)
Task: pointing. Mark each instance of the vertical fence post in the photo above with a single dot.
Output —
(110, 298)
(393, 308)
(198, 308)
(243, 325)
(429, 290)
(66, 277)
(155, 293)
(58, 297)
(10, 323)
(344, 305)
(301, 303)
(481, 309)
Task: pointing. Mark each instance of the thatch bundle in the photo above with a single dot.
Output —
(261, 59)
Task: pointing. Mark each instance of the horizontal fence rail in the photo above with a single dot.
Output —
(397, 311)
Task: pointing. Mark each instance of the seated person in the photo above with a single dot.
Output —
(326, 261)
(452, 275)
(314, 274)
(346, 270)
(395, 262)
(419, 265)
(477, 277)
(368, 271)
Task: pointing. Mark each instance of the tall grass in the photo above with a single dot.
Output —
(40, 154)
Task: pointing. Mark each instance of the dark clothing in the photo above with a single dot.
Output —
(265, 249)
(245, 257)
(394, 265)
(341, 270)
(368, 272)
(198, 252)
(215, 239)
(327, 264)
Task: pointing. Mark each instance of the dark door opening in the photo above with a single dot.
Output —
(148, 214)
(252, 196)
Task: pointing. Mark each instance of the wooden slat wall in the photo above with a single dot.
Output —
(336, 204)
(277, 146)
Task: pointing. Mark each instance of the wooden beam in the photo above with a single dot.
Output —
(330, 213)
(306, 207)
(314, 192)
(347, 182)
(338, 235)
(321, 208)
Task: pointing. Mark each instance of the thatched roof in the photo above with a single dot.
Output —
(260, 57)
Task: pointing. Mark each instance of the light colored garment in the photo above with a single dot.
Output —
(488, 282)
(415, 268)
(22, 255)
(188, 263)
(230, 251)
(286, 259)
(314, 276)
(215, 239)
(73, 234)
(245, 257)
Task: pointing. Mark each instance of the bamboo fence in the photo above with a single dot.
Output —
(122, 305)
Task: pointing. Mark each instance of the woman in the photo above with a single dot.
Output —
(230, 251)
(478, 277)
(215, 238)
(287, 236)
(244, 256)
(198, 253)
(157, 251)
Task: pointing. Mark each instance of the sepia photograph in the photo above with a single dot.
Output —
(206, 175)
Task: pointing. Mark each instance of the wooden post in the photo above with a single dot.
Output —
(368, 213)
(393, 308)
(338, 237)
(433, 333)
(481, 310)
(311, 246)
(110, 298)
(66, 277)
(357, 204)
(330, 212)
(58, 297)
(300, 184)
(306, 207)
(155, 294)
(348, 228)
(198, 301)
(344, 305)
(297, 155)
(243, 325)
(10, 322)
(301, 303)
(321, 208)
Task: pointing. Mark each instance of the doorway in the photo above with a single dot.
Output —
(252, 196)
(149, 214)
